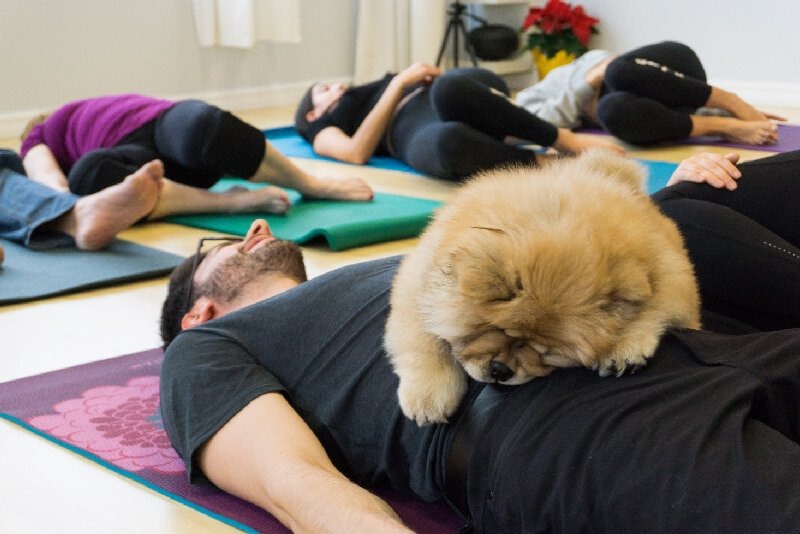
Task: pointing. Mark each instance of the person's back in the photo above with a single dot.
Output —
(84, 125)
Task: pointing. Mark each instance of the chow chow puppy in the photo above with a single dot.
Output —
(529, 269)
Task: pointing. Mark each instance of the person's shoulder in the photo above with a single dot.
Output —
(372, 276)
(375, 267)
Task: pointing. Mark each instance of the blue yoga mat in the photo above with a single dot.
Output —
(287, 140)
(32, 274)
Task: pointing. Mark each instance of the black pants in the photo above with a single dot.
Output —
(457, 126)
(703, 439)
(649, 93)
(197, 142)
(745, 244)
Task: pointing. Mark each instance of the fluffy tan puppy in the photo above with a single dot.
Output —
(530, 269)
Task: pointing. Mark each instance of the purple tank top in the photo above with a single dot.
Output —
(83, 125)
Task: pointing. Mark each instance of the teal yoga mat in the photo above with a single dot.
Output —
(291, 144)
(28, 275)
(342, 224)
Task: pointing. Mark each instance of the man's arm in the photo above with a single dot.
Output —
(41, 166)
(267, 455)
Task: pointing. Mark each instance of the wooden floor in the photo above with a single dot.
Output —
(45, 488)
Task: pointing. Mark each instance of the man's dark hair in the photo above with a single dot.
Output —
(301, 123)
(175, 306)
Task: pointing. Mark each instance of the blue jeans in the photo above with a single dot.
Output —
(26, 205)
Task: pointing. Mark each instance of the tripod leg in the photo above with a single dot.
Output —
(444, 43)
(467, 44)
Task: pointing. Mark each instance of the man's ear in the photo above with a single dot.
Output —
(312, 115)
(202, 311)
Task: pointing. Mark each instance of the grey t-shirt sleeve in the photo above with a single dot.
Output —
(206, 379)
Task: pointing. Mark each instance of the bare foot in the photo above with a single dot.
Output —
(266, 199)
(2, 255)
(751, 132)
(334, 188)
(571, 143)
(98, 217)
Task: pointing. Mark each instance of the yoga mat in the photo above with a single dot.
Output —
(289, 143)
(287, 140)
(659, 173)
(32, 274)
(342, 224)
(107, 411)
(788, 140)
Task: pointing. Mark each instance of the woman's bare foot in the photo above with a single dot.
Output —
(755, 132)
(266, 199)
(98, 217)
(334, 188)
(570, 142)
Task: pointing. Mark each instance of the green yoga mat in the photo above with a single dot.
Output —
(342, 224)
(33, 274)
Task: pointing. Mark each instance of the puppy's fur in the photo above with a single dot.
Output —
(530, 269)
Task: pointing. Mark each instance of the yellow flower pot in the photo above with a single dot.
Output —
(545, 64)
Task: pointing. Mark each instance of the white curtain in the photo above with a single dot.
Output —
(240, 23)
(393, 34)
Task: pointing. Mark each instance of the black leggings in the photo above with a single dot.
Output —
(745, 244)
(197, 142)
(649, 93)
(457, 127)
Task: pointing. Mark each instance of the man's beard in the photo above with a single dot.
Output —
(274, 258)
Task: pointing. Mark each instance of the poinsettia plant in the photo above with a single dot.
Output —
(558, 26)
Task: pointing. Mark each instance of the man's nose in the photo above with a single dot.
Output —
(259, 226)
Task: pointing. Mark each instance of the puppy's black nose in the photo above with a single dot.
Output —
(500, 371)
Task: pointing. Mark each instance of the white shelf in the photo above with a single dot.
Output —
(514, 65)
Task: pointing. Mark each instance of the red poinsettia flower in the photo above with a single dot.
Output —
(582, 24)
(558, 26)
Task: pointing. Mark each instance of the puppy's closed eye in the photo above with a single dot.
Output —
(624, 304)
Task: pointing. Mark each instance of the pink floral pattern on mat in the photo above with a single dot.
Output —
(120, 424)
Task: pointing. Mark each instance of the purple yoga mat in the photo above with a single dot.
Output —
(788, 140)
(108, 412)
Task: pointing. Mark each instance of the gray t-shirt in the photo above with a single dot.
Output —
(321, 345)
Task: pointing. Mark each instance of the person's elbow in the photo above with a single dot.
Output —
(355, 156)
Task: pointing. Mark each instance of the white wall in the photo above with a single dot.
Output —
(53, 51)
(745, 45)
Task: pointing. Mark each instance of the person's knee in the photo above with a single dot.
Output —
(99, 169)
(452, 150)
(451, 93)
(618, 73)
(638, 120)
(616, 112)
(197, 135)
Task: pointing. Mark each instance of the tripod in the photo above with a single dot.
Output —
(456, 25)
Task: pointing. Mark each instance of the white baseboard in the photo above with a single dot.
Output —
(785, 95)
(757, 93)
(11, 124)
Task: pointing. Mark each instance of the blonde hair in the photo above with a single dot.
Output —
(38, 119)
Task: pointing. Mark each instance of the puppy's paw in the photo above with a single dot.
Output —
(617, 365)
(432, 399)
(629, 354)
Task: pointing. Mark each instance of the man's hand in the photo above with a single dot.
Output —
(714, 169)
